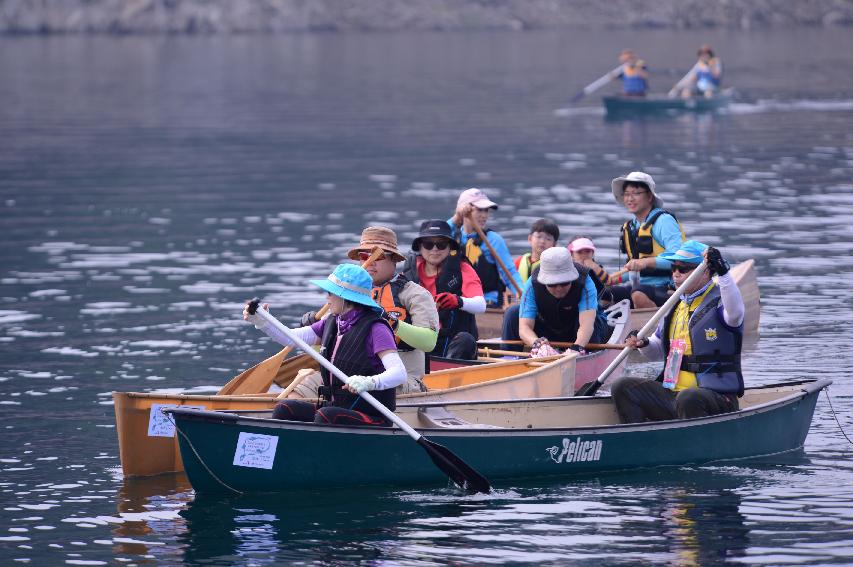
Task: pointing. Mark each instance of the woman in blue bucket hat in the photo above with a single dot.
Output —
(356, 340)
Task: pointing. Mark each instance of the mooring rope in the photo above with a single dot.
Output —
(197, 456)
(832, 409)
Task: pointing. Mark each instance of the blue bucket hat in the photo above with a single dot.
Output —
(690, 252)
(351, 283)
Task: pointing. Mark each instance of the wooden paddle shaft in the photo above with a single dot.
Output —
(497, 258)
(556, 344)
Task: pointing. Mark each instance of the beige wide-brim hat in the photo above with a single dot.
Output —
(618, 187)
(556, 266)
(380, 236)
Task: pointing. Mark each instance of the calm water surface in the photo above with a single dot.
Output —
(150, 185)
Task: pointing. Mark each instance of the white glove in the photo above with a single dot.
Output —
(359, 384)
(256, 319)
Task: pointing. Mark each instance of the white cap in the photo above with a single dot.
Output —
(477, 198)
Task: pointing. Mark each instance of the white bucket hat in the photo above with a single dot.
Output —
(618, 187)
(556, 266)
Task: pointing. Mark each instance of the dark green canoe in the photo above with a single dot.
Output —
(634, 106)
(247, 452)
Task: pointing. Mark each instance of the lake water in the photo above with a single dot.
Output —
(151, 184)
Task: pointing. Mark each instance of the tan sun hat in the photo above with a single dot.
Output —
(556, 266)
(380, 236)
(618, 187)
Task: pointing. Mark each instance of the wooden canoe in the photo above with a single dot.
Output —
(147, 444)
(243, 453)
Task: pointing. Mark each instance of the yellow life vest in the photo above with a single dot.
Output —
(678, 329)
(641, 244)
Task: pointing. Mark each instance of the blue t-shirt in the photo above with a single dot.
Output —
(499, 244)
(529, 310)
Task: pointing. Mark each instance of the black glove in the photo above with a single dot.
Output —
(643, 343)
(308, 319)
(716, 263)
(392, 317)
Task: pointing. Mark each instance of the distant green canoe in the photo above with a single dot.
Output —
(248, 452)
(634, 105)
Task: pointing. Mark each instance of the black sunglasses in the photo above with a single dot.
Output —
(682, 269)
(430, 244)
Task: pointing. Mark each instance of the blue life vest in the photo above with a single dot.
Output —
(633, 83)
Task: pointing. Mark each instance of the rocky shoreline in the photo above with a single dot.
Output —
(280, 16)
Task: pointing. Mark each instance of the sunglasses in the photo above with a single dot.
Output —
(364, 256)
(430, 244)
(682, 269)
(553, 285)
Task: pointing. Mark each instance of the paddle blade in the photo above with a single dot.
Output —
(589, 389)
(458, 470)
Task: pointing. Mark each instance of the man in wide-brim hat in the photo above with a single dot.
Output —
(407, 307)
(645, 238)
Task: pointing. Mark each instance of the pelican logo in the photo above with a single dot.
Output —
(711, 334)
(577, 450)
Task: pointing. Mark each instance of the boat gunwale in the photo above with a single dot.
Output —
(807, 388)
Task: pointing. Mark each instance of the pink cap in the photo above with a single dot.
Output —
(581, 244)
(477, 198)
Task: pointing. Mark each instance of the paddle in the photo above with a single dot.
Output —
(462, 474)
(497, 258)
(259, 378)
(590, 388)
(596, 84)
(555, 344)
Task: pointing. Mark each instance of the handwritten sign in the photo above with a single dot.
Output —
(255, 450)
(161, 425)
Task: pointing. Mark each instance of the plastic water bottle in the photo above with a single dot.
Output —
(634, 278)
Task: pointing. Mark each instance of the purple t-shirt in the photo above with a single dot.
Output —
(380, 338)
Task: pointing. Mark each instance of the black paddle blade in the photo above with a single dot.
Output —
(458, 470)
(589, 389)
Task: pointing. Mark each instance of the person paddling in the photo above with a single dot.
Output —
(704, 78)
(358, 341)
(644, 239)
(408, 308)
(474, 207)
(633, 72)
(436, 265)
(701, 341)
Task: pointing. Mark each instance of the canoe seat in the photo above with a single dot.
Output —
(440, 418)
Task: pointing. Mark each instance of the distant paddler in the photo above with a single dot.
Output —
(632, 70)
(703, 79)
(358, 341)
